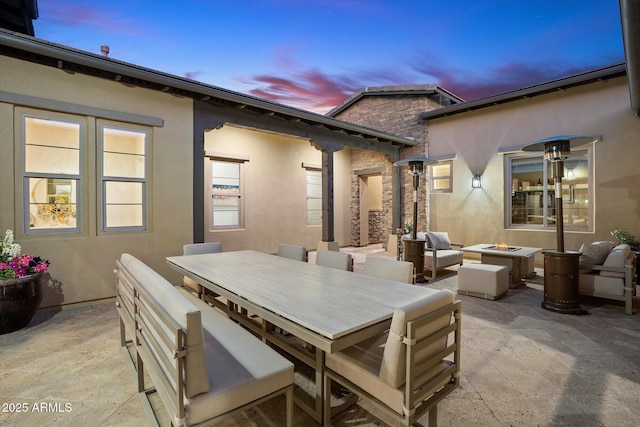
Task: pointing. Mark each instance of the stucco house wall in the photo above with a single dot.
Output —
(478, 136)
(82, 263)
(275, 189)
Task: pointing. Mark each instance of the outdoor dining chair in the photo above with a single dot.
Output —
(197, 249)
(292, 251)
(400, 271)
(334, 259)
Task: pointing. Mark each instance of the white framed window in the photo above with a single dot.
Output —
(314, 196)
(51, 170)
(124, 178)
(530, 196)
(226, 194)
(442, 177)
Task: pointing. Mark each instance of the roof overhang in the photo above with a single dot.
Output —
(75, 61)
(605, 73)
(630, 20)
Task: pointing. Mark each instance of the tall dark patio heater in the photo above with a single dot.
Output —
(561, 267)
(414, 248)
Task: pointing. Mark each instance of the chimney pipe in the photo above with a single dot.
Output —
(105, 50)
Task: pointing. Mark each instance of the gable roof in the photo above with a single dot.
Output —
(444, 96)
(39, 51)
(604, 73)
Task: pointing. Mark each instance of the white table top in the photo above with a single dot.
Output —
(521, 251)
(327, 301)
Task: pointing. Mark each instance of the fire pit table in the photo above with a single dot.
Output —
(509, 256)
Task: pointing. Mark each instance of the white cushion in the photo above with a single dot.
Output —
(439, 240)
(333, 259)
(183, 312)
(392, 369)
(240, 367)
(591, 284)
(445, 258)
(399, 271)
(616, 258)
(298, 253)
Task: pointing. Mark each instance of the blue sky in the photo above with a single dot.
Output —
(313, 54)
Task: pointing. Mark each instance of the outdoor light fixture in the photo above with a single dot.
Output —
(561, 268)
(476, 181)
(556, 150)
(416, 168)
(414, 248)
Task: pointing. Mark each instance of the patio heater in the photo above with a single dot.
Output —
(414, 247)
(561, 267)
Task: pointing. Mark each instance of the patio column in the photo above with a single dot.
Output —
(328, 217)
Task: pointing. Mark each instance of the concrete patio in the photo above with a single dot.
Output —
(521, 365)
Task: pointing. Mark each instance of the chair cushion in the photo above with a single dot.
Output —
(333, 259)
(616, 258)
(445, 258)
(183, 312)
(392, 369)
(240, 367)
(591, 284)
(594, 254)
(390, 269)
(361, 363)
(438, 240)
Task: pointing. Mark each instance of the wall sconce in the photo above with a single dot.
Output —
(476, 181)
(570, 174)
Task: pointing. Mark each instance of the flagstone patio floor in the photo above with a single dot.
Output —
(521, 366)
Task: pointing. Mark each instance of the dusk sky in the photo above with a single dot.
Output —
(313, 54)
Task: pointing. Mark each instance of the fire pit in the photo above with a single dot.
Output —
(502, 247)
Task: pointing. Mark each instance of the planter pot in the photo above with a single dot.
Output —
(19, 300)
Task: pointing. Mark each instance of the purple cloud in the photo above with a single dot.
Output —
(94, 15)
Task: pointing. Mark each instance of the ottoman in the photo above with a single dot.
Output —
(486, 281)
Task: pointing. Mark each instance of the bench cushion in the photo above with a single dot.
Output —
(240, 367)
(183, 312)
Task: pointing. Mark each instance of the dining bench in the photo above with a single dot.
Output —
(203, 366)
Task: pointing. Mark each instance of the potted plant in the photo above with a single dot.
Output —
(20, 284)
(623, 236)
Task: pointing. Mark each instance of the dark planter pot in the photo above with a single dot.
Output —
(19, 300)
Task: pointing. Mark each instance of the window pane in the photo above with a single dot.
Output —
(124, 215)
(441, 184)
(225, 177)
(314, 211)
(124, 165)
(443, 170)
(51, 146)
(123, 192)
(226, 211)
(527, 196)
(575, 190)
(124, 141)
(52, 203)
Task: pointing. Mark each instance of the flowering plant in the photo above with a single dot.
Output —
(13, 265)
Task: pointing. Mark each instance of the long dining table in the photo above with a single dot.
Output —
(325, 308)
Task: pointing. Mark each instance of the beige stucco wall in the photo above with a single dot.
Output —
(275, 189)
(477, 216)
(82, 264)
